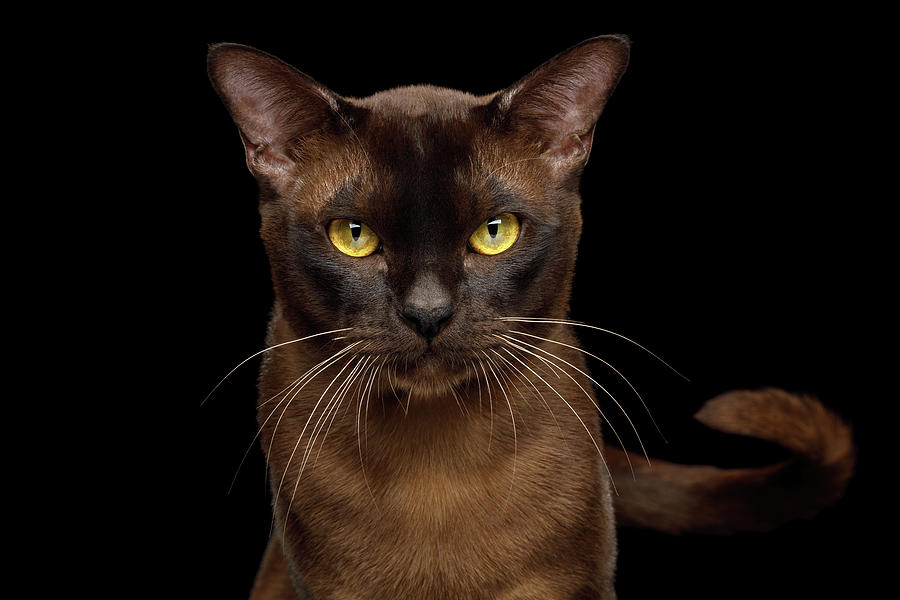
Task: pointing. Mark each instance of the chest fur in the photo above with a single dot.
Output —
(482, 491)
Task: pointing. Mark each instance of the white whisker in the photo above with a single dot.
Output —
(362, 462)
(583, 424)
(462, 409)
(617, 372)
(515, 436)
(342, 390)
(393, 369)
(509, 383)
(487, 384)
(368, 394)
(287, 391)
(596, 405)
(478, 381)
(579, 324)
(300, 437)
(329, 361)
(330, 408)
(319, 368)
(252, 356)
(540, 395)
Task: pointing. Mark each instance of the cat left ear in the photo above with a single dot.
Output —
(558, 103)
(273, 104)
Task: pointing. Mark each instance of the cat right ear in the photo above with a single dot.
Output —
(558, 104)
(272, 104)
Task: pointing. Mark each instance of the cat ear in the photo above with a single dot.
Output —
(272, 104)
(559, 103)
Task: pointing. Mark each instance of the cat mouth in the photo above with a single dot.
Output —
(429, 354)
(429, 363)
(430, 374)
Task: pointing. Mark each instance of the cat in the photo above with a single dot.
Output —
(428, 418)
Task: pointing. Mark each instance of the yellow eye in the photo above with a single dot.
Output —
(495, 235)
(352, 237)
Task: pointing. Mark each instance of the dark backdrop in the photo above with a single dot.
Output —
(720, 232)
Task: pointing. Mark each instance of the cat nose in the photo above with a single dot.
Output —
(428, 322)
(428, 306)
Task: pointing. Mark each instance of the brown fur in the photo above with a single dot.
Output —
(435, 482)
(682, 498)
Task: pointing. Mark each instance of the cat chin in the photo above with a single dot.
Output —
(430, 377)
(428, 389)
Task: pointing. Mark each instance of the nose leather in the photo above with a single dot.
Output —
(428, 306)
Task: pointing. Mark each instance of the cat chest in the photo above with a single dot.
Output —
(444, 529)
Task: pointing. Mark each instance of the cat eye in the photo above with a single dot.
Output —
(495, 235)
(352, 237)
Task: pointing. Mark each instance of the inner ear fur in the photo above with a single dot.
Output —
(558, 103)
(272, 103)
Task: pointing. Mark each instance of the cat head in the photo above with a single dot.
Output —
(419, 216)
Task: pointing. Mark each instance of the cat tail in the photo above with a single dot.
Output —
(678, 498)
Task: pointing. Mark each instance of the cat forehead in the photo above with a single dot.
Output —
(415, 140)
(422, 101)
(446, 129)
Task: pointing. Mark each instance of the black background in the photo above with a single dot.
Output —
(721, 231)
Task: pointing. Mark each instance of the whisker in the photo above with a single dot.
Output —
(580, 324)
(289, 389)
(330, 362)
(510, 384)
(343, 389)
(617, 372)
(583, 424)
(640, 441)
(509, 381)
(540, 395)
(392, 369)
(462, 409)
(319, 368)
(515, 436)
(518, 373)
(362, 462)
(252, 356)
(505, 374)
(478, 381)
(368, 394)
(300, 437)
(545, 366)
(358, 380)
(379, 385)
(467, 378)
(316, 366)
(330, 408)
(487, 384)
(359, 393)
(409, 392)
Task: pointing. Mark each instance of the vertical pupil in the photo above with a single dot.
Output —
(355, 230)
(493, 227)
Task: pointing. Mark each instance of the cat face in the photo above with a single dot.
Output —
(419, 216)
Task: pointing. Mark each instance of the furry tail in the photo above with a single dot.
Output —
(702, 499)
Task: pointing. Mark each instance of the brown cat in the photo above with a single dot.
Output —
(429, 422)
